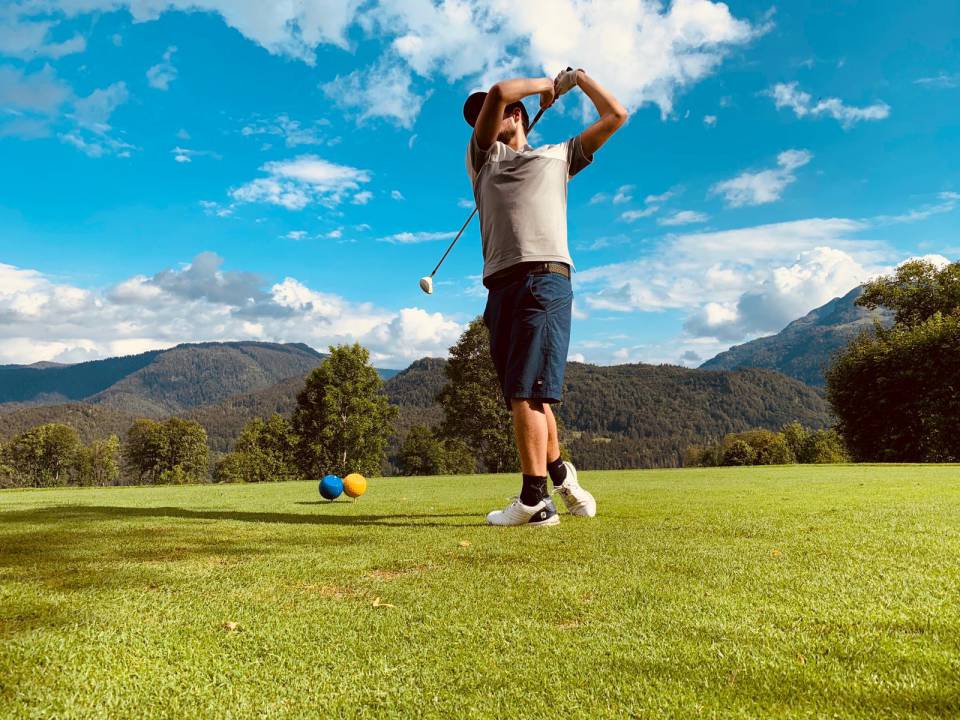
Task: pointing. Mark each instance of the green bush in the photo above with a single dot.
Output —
(738, 452)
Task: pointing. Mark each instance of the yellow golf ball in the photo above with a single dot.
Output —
(354, 485)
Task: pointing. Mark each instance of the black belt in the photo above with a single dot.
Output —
(502, 278)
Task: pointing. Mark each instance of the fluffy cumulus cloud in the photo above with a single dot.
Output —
(765, 186)
(788, 292)
(294, 184)
(790, 96)
(384, 91)
(42, 319)
(645, 51)
(734, 284)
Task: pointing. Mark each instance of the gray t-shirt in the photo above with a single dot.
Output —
(522, 196)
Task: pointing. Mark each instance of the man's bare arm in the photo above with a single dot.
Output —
(502, 94)
(612, 114)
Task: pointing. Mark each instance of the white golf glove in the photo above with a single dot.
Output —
(565, 81)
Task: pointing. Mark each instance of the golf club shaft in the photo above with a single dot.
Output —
(464, 226)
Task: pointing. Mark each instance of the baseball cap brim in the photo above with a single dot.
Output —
(474, 103)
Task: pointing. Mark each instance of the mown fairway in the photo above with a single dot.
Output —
(763, 592)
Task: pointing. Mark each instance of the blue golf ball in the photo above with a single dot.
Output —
(331, 487)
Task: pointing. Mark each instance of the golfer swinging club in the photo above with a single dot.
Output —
(521, 193)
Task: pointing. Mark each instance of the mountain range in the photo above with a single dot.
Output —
(618, 416)
(804, 348)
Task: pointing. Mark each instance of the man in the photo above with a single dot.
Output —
(522, 196)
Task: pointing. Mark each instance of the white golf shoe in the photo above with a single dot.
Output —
(516, 513)
(578, 501)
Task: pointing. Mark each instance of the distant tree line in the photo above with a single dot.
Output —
(793, 444)
(51, 455)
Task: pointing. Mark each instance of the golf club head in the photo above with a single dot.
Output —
(426, 284)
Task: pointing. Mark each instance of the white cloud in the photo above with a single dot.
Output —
(948, 203)
(710, 120)
(30, 39)
(645, 51)
(407, 238)
(632, 215)
(292, 131)
(162, 74)
(40, 102)
(396, 195)
(296, 235)
(622, 195)
(362, 197)
(186, 155)
(766, 186)
(297, 183)
(689, 271)
(789, 95)
(214, 208)
(293, 29)
(41, 92)
(683, 217)
(384, 91)
(787, 293)
(941, 81)
(660, 199)
(45, 319)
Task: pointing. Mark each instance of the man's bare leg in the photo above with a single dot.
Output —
(531, 428)
(553, 440)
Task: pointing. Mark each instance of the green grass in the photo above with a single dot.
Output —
(790, 592)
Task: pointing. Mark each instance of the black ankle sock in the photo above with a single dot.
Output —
(558, 471)
(534, 489)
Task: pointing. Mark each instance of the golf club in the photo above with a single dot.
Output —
(426, 283)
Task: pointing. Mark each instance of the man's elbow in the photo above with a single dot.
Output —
(495, 92)
(619, 114)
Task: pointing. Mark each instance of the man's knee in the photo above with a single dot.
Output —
(526, 405)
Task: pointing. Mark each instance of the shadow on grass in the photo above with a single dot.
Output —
(111, 512)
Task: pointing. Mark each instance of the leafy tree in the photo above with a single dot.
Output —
(99, 462)
(265, 452)
(796, 437)
(894, 391)
(174, 451)
(423, 453)
(269, 447)
(8, 476)
(739, 452)
(186, 449)
(918, 290)
(343, 419)
(45, 456)
(770, 447)
(231, 468)
(145, 450)
(473, 408)
(825, 446)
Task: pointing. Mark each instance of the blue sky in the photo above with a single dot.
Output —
(186, 170)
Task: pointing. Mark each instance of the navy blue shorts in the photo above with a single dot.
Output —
(529, 324)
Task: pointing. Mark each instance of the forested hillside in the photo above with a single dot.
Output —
(161, 382)
(614, 417)
(805, 347)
